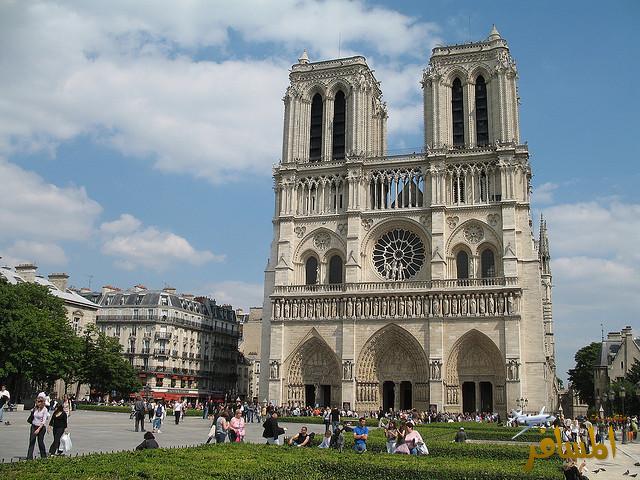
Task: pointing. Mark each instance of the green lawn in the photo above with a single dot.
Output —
(447, 461)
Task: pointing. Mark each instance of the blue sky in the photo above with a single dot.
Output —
(137, 138)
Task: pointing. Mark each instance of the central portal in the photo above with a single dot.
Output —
(406, 402)
(388, 395)
(468, 397)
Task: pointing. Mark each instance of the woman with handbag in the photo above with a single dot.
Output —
(38, 420)
(219, 429)
(236, 427)
(58, 423)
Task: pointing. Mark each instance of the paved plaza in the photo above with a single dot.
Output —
(106, 432)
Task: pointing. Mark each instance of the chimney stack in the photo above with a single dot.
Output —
(169, 290)
(27, 271)
(59, 280)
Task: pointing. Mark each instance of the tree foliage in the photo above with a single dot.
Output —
(104, 367)
(36, 338)
(581, 376)
(39, 346)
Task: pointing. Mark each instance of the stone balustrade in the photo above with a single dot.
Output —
(390, 306)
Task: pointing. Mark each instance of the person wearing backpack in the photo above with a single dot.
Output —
(161, 412)
(139, 409)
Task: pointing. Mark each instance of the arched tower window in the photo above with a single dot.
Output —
(315, 141)
(335, 269)
(311, 271)
(339, 122)
(457, 113)
(482, 117)
(462, 265)
(488, 263)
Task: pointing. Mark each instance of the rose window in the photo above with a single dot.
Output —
(398, 254)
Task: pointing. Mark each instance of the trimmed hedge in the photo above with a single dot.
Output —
(262, 462)
(118, 409)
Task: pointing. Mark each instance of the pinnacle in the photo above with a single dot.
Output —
(304, 58)
(494, 34)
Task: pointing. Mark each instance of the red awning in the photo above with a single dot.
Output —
(174, 377)
(160, 375)
(167, 396)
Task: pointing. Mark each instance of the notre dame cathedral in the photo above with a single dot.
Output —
(407, 281)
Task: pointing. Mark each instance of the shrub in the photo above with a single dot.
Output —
(262, 462)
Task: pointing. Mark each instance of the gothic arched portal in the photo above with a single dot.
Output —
(311, 375)
(475, 375)
(392, 371)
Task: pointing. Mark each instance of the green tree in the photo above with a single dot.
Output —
(581, 376)
(104, 367)
(37, 340)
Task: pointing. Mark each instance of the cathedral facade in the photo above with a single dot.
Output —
(407, 281)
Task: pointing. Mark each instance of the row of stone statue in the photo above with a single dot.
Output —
(476, 304)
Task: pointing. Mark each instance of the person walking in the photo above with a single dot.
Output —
(219, 429)
(177, 410)
(150, 410)
(5, 396)
(38, 420)
(139, 410)
(58, 423)
(236, 427)
(205, 409)
(159, 415)
(66, 405)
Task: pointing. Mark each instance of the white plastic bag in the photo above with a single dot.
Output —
(65, 443)
(422, 449)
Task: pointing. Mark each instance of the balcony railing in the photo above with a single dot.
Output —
(381, 287)
(160, 352)
(163, 335)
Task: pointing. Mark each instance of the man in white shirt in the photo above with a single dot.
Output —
(5, 396)
(177, 410)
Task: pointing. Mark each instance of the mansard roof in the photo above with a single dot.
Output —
(69, 296)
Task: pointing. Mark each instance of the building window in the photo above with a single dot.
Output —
(457, 113)
(311, 271)
(487, 259)
(482, 117)
(117, 334)
(135, 314)
(76, 324)
(335, 269)
(158, 382)
(462, 265)
(339, 122)
(315, 138)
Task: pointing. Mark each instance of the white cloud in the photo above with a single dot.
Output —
(543, 194)
(237, 293)
(136, 246)
(121, 73)
(31, 207)
(596, 271)
(125, 224)
(24, 251)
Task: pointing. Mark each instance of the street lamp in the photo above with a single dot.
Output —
(623, 393)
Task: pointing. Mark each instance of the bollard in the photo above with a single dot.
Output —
(624, 433)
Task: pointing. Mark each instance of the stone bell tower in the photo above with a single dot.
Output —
(406, 281)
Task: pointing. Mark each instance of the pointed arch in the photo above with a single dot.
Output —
(391, 356)
(313, 363)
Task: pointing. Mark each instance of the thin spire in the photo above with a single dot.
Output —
(494, 34)
(544, 253)
(304, 58)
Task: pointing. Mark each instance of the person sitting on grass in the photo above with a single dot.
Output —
(413, 440)
(337, 439)
(148, 442)
(300, 439)
(326, 440)
(461, 436)
(360, 435)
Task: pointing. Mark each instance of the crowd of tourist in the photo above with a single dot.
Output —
(228, 423)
